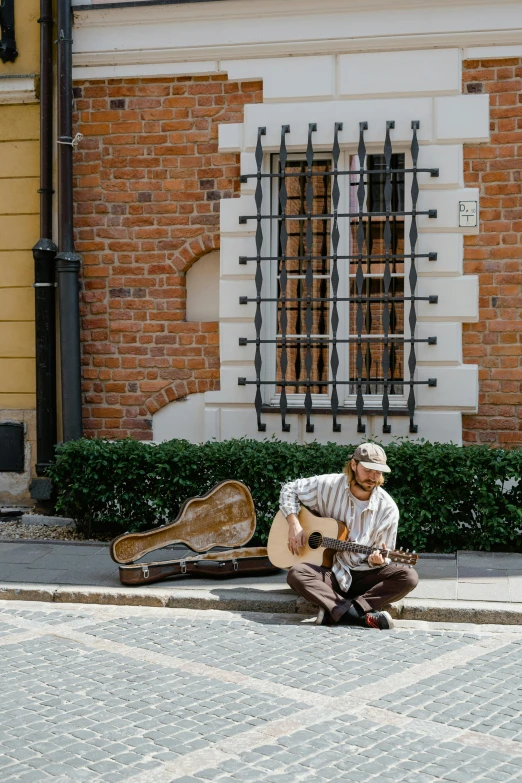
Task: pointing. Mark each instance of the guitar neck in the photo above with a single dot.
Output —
(410, 558)
(350, 546)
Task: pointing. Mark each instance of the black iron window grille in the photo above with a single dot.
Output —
(339, 302)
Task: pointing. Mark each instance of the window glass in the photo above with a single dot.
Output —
(372, 254)
(296, 287)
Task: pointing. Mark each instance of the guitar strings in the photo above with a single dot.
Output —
(349, 546)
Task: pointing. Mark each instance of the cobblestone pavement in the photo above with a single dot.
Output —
(143, 695)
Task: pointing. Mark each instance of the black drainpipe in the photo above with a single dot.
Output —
(44, 253)
(67, 261)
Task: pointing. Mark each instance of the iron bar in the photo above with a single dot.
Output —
(432, 299)
(283, 277)
(359, 277)
(373, 257)
(295, 340)
(308, 383)
(309, 277)
(258, 320)
(412, 360)
(318, 411)
(431, 213)
(433, 172)
(387, 236)
(334, 357)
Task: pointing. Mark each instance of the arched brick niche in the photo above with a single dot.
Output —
(203, 289)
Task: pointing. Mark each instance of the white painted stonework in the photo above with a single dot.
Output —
(283, 77)
(203, 289)
(182, 419)
(127, 41)
(18, 89)
(379, 73)
(439, 408)
(335, 61)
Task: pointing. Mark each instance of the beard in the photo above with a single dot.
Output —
(365, 485)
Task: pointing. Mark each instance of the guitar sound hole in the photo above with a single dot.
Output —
(315, 540)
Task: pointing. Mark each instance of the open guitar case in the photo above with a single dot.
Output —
(224, 519)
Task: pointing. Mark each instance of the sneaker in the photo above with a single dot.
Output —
(354, 616)
(380, 620)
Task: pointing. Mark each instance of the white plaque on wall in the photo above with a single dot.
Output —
(468, 214)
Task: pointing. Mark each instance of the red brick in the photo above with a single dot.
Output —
(133, 228)
(494, 342)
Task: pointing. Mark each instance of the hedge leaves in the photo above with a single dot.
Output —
(449, 497)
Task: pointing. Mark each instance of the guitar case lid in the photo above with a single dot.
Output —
(222, 517)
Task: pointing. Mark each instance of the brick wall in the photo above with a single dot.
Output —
(495, 342)
(148, 180)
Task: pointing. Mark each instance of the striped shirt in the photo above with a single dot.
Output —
(330, 496)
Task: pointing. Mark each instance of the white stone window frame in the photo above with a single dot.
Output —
(446, 123)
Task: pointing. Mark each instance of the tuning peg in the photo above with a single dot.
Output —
(407, 551)
(413, 552)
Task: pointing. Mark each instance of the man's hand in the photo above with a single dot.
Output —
(377, 558)
(296, 534)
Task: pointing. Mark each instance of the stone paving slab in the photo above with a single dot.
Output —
(483, 591)
(141, 695)
(263, 654)
(347, 749)
(515, 587)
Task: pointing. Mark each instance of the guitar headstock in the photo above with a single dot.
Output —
(403, 556)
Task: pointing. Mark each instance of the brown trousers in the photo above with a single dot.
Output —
(370, 590)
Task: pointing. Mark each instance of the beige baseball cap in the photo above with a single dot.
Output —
(371, 457)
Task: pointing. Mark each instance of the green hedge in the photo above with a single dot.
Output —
(449, 497)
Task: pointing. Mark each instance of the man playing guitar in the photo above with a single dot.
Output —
(357, 586)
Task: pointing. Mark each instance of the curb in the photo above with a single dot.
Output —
(483, 613)
(478, 612)
(227, 600)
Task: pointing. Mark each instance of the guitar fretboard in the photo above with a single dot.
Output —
(350, 546)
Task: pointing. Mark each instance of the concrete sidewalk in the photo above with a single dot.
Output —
(466, 587)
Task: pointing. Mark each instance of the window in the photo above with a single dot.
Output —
(292, 285)
(381, 255)
(336, 280)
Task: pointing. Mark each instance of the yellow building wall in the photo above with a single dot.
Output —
(19, 231)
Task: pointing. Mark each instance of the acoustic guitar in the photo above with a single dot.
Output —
(324, 536)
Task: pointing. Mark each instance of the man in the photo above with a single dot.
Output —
(357, 587)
